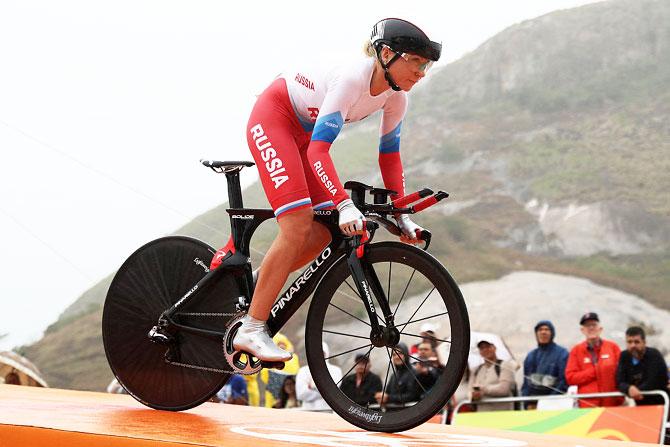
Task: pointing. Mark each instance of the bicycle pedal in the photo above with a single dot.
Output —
(273, 365)
(242, 304)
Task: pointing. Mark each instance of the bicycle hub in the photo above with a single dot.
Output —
(385, 336)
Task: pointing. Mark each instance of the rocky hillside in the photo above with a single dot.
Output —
(553, 140)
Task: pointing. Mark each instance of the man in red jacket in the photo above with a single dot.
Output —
(592, 364)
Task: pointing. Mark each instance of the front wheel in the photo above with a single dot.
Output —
(413, 375)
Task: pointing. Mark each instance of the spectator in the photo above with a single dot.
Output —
(425, 354)
(426, 376)
(428, 331)
(287, 396)
(592, 364)
(544, 367)
(253, 389)
(233, 392)
(402, 387)
(641, 368)
(115, 387)
(274, 378)
(306, 390)
(493, 378)
(362, 385)
(426, 367)
(12, 379)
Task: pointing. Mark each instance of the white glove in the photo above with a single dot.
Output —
(408, 229)
(351, 219)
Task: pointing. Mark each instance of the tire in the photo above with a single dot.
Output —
(337, 317)
(149, 282)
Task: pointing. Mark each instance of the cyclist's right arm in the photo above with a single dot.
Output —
(328, 125)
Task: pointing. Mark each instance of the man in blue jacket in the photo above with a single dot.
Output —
(544, 367)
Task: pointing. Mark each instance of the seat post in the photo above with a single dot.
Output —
(234, 189)
(232, 170)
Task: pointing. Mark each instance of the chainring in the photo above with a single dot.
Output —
(240, 361)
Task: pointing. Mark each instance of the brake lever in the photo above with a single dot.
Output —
(422, 235)
(387, 224)
(425, 236)
(368, 234)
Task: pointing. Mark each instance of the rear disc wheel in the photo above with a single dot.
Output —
(149, 282)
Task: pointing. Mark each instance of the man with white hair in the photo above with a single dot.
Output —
(592, 364)
(307, 392)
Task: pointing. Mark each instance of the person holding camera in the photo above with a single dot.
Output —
(493, 378)
(426, 367)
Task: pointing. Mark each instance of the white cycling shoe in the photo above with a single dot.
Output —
(253, 337)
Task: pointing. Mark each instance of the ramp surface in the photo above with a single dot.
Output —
(49, 417)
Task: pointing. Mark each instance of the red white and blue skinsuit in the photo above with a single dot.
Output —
(297, 118)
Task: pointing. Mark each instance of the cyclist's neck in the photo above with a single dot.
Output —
(378, 83)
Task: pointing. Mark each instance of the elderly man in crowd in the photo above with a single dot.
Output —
(592, 364)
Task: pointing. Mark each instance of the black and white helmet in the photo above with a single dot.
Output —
(404, 37)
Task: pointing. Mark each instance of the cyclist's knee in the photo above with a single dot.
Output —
(296, 227)
(320, 234)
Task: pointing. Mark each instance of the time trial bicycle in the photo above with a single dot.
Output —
(170, 313)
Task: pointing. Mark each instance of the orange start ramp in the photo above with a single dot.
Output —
(35, 417)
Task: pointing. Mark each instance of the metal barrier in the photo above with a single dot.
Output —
(664, 426)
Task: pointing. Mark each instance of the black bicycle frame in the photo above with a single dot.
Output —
(244, 222)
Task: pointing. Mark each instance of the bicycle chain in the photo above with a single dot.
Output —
(205, 368)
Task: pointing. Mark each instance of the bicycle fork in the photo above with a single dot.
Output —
(367, 284)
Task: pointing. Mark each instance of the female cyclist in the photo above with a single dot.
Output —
(290, 131)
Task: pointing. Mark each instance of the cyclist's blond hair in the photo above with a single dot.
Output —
(368, 49)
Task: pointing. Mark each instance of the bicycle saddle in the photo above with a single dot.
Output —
(226, 166)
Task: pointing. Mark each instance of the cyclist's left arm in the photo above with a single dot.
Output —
(390, 162)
